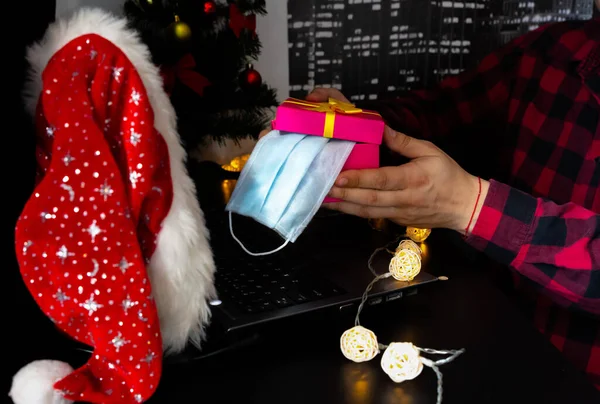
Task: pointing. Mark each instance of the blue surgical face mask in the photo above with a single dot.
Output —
(285, 181)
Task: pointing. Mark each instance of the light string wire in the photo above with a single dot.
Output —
(377, 251)
(434, 365)
(365, 295)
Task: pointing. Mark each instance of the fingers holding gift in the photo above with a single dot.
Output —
(364, 211)
(408, 146)
(373, 197)
(321, 94)
(384, 178)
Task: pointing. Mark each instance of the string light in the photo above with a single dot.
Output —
(227, 187)
(236, 164)
(405, 265)
(417, 235)
(401, 361)
(409, 245)
(359, 344)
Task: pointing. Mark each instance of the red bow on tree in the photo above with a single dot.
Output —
(183, 71)
(239, 21)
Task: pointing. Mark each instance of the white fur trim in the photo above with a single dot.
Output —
(34, 383)
(182, 269)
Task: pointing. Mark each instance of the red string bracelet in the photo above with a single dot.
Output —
(474, 209)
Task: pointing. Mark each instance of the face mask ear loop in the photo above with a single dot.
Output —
(281, 247)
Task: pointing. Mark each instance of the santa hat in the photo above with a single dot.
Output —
(112, 244)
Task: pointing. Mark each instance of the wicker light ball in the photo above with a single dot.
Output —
(359, 344)
(401, 361)
(408, 245)
(417, 235)
(405, 265)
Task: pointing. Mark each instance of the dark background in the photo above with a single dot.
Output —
(26, 330)
(370, 49)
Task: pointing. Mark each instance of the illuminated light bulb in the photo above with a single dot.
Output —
(401, 361)
(405, 265)
(417, 235)
(408, 245)
(359, 344)
(424, 250)
(227, 187)
(378, 224)
(236, 164)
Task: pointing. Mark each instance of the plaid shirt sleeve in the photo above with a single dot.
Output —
(474, 96)
(556, 246)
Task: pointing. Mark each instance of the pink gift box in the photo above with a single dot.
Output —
(333, 119)
(362, 156)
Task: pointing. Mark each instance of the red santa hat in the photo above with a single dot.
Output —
(112, 244)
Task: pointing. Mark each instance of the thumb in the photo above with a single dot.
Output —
(318, 95)
(405, 145)
(321, 94)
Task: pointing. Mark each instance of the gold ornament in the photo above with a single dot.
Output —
(417, 235)
(180, 30)
(401, 361)
(408, 245)
(405, 265)
(359, 344)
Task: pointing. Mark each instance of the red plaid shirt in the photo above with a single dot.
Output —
(528, 117)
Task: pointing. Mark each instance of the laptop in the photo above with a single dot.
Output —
(326, 268)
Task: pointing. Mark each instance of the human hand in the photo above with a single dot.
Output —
(430, 191)
(321, 94)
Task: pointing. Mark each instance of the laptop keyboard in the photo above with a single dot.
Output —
(262, 284)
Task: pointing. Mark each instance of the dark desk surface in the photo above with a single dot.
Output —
(299, 361)
(506, 360)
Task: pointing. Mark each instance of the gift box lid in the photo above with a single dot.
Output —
(333, 119)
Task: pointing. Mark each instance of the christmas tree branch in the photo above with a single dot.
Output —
(229, 107)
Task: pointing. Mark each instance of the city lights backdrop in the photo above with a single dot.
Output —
(375, 48)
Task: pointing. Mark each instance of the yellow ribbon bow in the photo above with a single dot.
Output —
(338, 106)
(330, 108)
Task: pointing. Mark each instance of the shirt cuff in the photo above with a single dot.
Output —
(505, 223)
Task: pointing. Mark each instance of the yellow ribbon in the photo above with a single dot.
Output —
(330, 108)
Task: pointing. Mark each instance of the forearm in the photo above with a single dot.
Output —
(556, 246)
(418, 114)
(477, 97)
